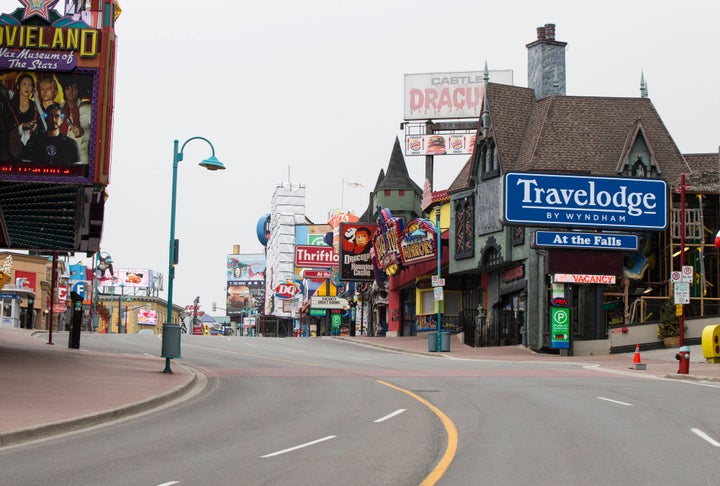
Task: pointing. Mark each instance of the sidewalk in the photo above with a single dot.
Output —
(50, 389)
(659, 362)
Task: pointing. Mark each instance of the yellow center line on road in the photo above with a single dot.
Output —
(250, 355)
(452, 437)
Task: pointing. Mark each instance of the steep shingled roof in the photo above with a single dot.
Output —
(575, 133)
(397, 176)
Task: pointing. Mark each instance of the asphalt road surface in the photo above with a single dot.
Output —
(320, 412)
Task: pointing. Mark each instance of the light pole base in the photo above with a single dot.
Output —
(167, 366)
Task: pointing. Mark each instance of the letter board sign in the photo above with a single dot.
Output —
(598, 202)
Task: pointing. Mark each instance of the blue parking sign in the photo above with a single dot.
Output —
(79, 288)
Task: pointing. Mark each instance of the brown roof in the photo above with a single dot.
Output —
(576, 133)
(703, 162)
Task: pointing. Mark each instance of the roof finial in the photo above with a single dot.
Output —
(485, 118)
(643, 86)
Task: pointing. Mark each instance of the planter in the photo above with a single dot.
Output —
(672, 341)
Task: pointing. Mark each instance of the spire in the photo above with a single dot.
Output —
(643, 86)
(396, 175)
(485, 118)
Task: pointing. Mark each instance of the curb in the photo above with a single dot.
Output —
(18, 436)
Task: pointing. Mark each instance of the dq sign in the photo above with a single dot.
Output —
(287, 290)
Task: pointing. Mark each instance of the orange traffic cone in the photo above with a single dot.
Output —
(637, 363)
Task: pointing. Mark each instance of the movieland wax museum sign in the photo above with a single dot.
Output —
(585, 201)
(46, 59)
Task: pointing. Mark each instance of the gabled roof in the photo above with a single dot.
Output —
(575, 133)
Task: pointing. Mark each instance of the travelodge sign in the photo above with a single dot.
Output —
(598, 202)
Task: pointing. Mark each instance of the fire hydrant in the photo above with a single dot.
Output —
(683, 356)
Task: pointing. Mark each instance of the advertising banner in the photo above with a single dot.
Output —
(440, 144)
(355, 259)
(447, 95)
(247, 270)
(147, 317)
(597, 202)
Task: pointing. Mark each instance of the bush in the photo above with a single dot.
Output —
(669, 322)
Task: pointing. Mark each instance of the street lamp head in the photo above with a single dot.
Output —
(212, 163)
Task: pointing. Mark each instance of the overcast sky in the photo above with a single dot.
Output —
(312, 92)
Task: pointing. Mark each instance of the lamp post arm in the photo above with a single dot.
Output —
(190, 140)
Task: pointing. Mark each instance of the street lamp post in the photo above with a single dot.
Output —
(438, 241)
(171, 332)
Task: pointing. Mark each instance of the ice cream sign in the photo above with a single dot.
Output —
(287, 290)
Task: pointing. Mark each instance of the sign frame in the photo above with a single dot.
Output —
(534, 199)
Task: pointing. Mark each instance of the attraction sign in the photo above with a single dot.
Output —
(57, 78)
(434, 96)
(418, 242)
(56, 92)
(386, 242)
(585, 201)
(355, 259)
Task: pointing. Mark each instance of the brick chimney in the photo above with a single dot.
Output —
(546, 57)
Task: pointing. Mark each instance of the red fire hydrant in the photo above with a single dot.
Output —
(683, 356)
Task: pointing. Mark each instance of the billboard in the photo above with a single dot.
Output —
(245, 283)
(54, 97)
(447, 95)
(129, 277)
(147, 317)
(246, 270)
(585, 201)
(49, 129)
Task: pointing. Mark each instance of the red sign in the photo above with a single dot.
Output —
(62, 295)
(317, 274)
(315, 256)
(287, 290)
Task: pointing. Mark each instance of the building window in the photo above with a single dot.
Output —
(489, 160)
(464, 228)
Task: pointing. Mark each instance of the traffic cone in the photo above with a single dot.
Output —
(637, 363)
